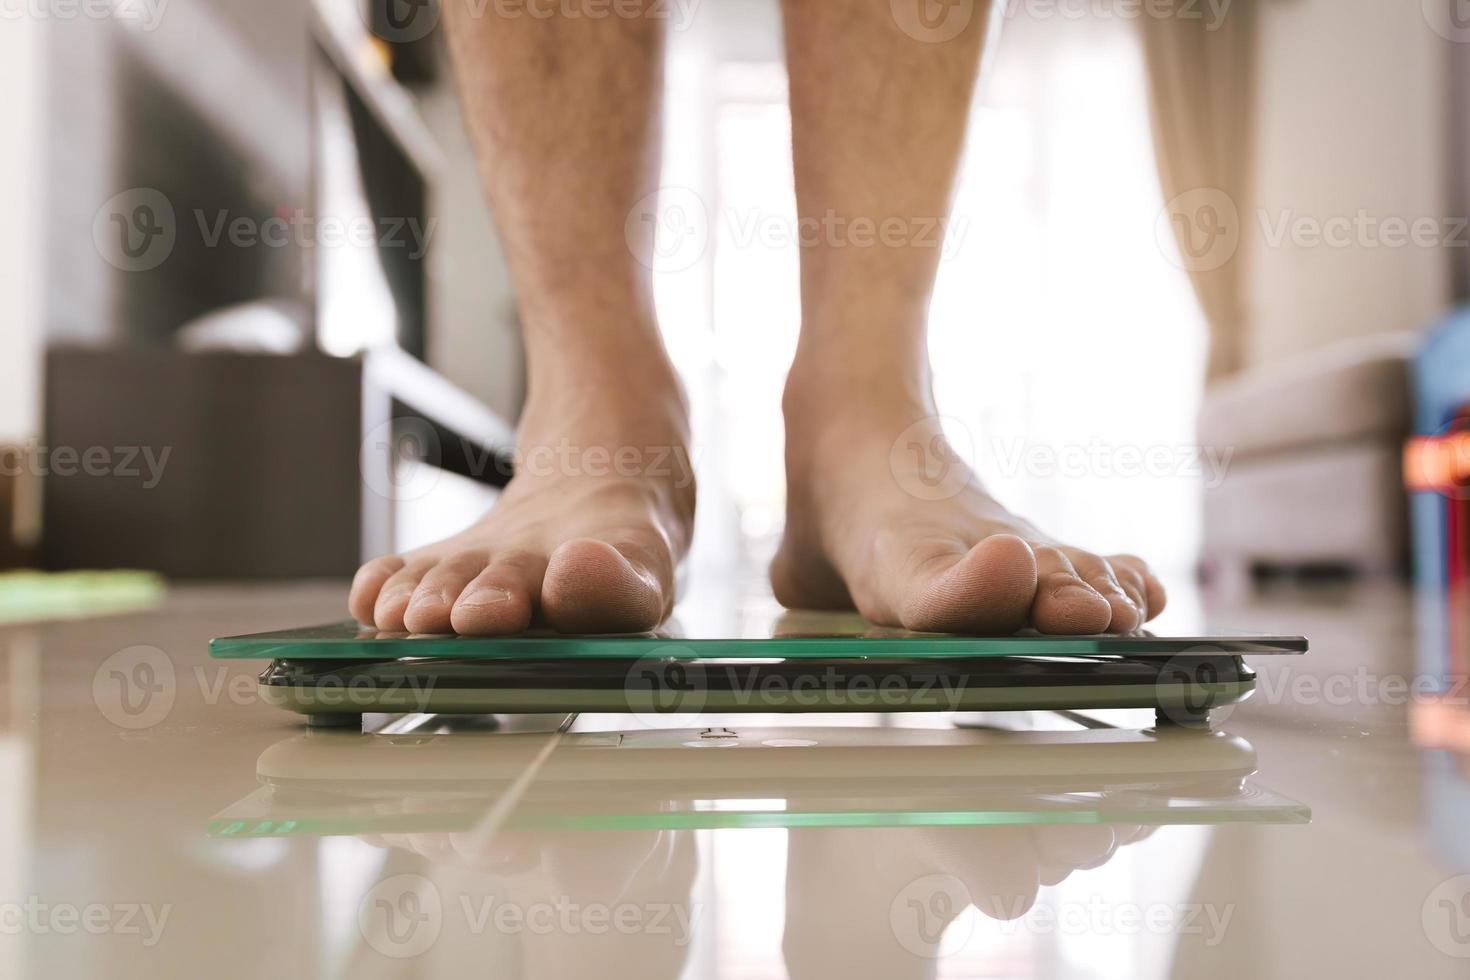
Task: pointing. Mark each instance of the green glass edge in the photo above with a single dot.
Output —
(766, 819)
(339, 641)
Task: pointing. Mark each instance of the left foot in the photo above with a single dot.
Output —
(904, 533)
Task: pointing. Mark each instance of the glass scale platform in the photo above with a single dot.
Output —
(794, 662)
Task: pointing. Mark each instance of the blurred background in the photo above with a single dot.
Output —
(258, 325)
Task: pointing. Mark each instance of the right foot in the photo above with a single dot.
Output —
(584, 539)
(863, 532)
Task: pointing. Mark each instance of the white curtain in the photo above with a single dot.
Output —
(1201, 71)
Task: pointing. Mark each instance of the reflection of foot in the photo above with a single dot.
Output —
(890, 915)
(585, 538)
(882, 517)
(610, 904)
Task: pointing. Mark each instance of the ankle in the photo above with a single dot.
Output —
(611, 408)
(605, 348)
(835, 389)
(841, 422)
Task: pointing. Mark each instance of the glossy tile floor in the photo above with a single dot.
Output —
(157, 820)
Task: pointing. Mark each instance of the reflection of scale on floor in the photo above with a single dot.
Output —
(808, 662)
(434, 781)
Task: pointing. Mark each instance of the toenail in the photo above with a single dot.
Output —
(484, 596)
(1075, 592)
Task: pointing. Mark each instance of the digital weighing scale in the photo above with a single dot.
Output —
(803, 662)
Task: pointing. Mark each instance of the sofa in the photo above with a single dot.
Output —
(1314, 448)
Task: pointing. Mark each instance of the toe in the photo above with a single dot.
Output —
(984, 589)
(1074, 845)
(1131, 580)
(1000, 868)
(593, 587)
(500, 599)
(1139, 581)
(395, 594)
(367, 583)
(1064, 603)
(1096, 572)
(434, 597)
(1157, 597)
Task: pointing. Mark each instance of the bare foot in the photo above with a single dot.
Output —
(585, 538)
(910, 543)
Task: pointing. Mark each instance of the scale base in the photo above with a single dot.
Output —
(335, 694)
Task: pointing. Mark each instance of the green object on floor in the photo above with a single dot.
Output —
(31, 595)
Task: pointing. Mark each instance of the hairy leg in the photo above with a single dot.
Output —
(879, 110)
(563, 113)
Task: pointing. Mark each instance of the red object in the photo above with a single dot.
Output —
(1441, 464)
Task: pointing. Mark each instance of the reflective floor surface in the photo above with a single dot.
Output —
(158, 820)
